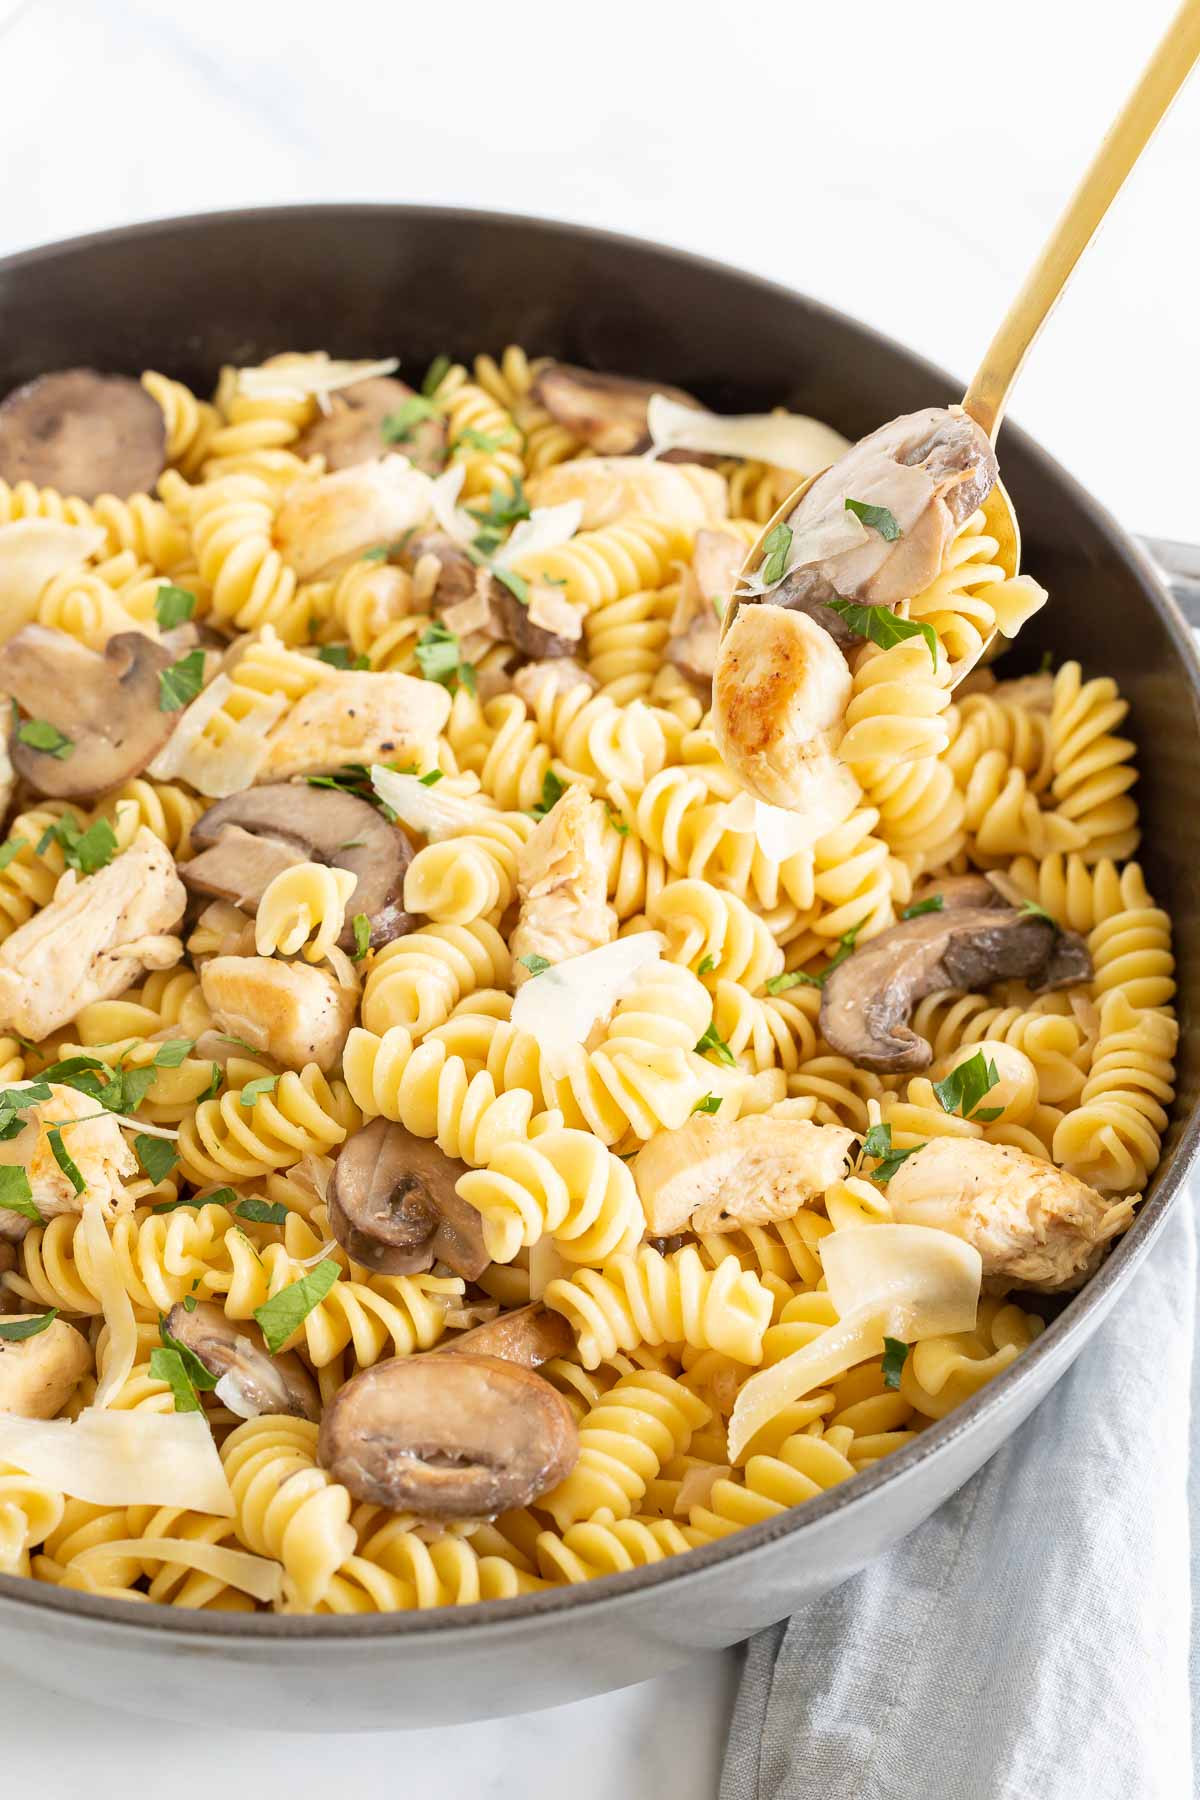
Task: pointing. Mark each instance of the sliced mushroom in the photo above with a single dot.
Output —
(607, 411)
(450, 1437)
(393, 1205)
(930, 470)
(37, 1374)
(245, 841)
(529, 1336)
(866, 1001)
(104, 704)
(456, 579)
(235, 1352)
(83, 433)
(351, 430)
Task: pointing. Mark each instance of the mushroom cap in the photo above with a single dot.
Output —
(451, 1437)
(866, 1001)
(106, 703)
(607, 411)
(351, 431)
(83, 433)
(393, 1205)
(530, 1336)
(243, 842)
(267, 1384)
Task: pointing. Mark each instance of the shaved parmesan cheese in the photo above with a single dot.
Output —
(309, 377)
(231, 1393)
(780, 833)
(427, 809)
(827, 536)
(122, 1459)
(33, 552)
(545, 529)
(256, 1575)
(788, 440)
(903, 1281)
(443, 503)
(216, 753)
(561, 1005)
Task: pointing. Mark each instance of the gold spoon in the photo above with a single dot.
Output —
(987, 395)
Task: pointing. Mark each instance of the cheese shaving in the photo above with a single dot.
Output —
(309, 377)
(230, 1392)
(33, 552)
(545, 529)
(443, 503)
(561, 1005)
(255, 1575)
(218, 754)
(781, 834)
(427, 809)
(122, 1459)
(786, 440)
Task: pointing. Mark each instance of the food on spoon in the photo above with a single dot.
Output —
(351, 430)
(562, 880)
(1035, 1225)
(705, 590)
(713, 1176)
(250, 1379)
(83, 434)
(867, 999)
(393, 1205)
(38, 1374)
(93, 719)
(449, 1437)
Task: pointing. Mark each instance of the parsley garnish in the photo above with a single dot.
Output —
(470, 439)
(618, 824)
(214, 1083)
(181, 1369)
(706, 965)
(379, 553)
(1047, 662)
(85, 851)
(553, 790)
(435, 374)
(894, 1354)
(41, 735)
(516, 584)
(64, 1159)
(878, 1143)
(261, 1212)
(156, 1155)
(879, 518)
(776, 546)
(287, 1310)
(15, 1101)
(10, 849)
(1029, 909)
(935, 903)
(882, 627)
(338, 657)
(398, 427)
(711, 1103)
(173, 606)
(713, 1041)
(537, 965)
(439, 658)
(362, 936)
(15, 1331)
(180, 684)
(254, 1090)
(432, 778)
(779, 984)
(171, 1054)
(503, 509)
(16, 1195)
(966, 1085)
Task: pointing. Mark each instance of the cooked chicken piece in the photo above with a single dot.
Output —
(780, 693)
(704, 593)
(94, 940)
(558, 675)
(94, 1144)
(357, 717)
(37, 1374)
(296, 1013)
(717, 1177)
(930, 470)
(562, 879)
(326, 524)
(612, 487)
(1034, 1225)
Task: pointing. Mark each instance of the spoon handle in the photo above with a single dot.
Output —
(1126, 138)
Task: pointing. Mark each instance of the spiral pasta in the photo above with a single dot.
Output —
(303, 911)
(649, 1298)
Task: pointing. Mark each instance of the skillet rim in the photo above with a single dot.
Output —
(20, 1593)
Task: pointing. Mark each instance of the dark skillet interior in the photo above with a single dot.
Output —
(184, 296)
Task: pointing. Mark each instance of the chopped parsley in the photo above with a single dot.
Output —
(435, 374)
(41, 735)
(399, 426)
(156, 1155)
(879, 518)
(894, 1355)
(1029, 909)
(64, 1159)
(935, 903)
(379, 553)
(16, 1195)
(881, 626)
(878, 1143)
(15, 1331)
(181, 1369)
(362, 936)
(776, 546)
(966, 1085)
(254, 1090)
(11, 848)
(287, 1310)
(503, 509)
(173, 606)
(432, 778)
(779, 984)
(262, 1212)
(553, 789)
(516, 584)
(179, 685)
(15, 1101)
(618, 824)
(537, 965)
(171, 1054)
(84, 851)
(439, 658)
(706, 965)
(712, 1040)
(471, 439)
(338, 657)
(711, 1103)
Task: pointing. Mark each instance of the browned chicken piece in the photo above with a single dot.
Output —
(95, 1145)
(328, 522)
(95, 939)
(562, 880)
(357, 717)
(1034, 1225)
(296, 1013)
(704, 593)
(711, 1176)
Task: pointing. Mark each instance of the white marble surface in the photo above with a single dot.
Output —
(902, 163)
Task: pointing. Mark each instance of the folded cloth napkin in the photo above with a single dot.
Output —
(1031, 1641)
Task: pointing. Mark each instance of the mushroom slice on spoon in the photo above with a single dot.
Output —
(243, 842)
(393, 1205)
(83, 433)
(105, 706)
(530, 1336)
(866, 1000)
(251, 1380)
(450, 1437)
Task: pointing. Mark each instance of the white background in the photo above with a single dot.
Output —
(901, 162)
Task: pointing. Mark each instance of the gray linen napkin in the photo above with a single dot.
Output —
(1031, 1641)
